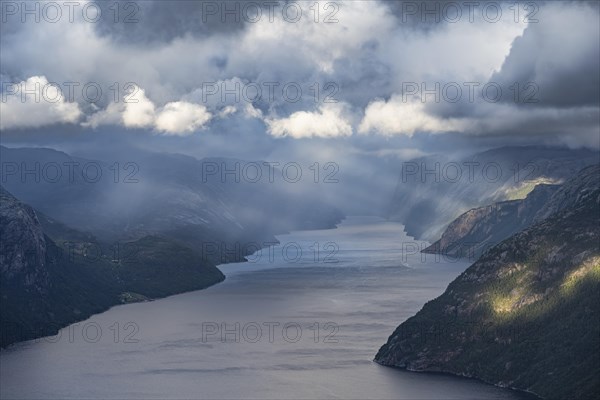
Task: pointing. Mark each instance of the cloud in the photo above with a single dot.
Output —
(137, 22)
(111, 115)
(368, 54)
(400, 116)
(560, 54)
(227, 110)
(251, 112)
(136, 110)
(181, 118)
(139, 110)
(403, 116)
(35, 102)
(575, 126)
(327, 122)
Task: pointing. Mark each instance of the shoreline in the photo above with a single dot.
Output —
(529, 395)
(43, 336)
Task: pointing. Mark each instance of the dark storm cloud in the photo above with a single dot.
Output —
(560, 56)
(550, 83)
(157, 22)
(429, 15)
(424, 15)
(360, 77)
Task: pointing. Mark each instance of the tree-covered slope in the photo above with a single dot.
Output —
(526, 314)
(49, 280)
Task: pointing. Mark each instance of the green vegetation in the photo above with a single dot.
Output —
(157, 267)
(525, 315)
(81, 285)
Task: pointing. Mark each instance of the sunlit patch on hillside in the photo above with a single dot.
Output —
(590, 269)
(502, 304)
(520, 191)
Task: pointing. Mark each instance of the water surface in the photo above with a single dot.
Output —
(285, 326)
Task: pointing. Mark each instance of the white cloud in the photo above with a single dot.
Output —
(139, 110)
(281, 47)
(136, 110)
(181, 118)
(400, 116)
(34, 103)
(327, 121)
(227, 110)
(406, 117)
(252, 112)
(111, 115)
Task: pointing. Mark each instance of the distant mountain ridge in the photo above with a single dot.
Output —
(432, 191)
(163, 194)
(526, 314)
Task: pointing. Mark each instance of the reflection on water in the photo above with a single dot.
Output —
(284, 326)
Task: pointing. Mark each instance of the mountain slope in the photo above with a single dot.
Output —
(49, 282)
(481, 228)
(41, 290)
(526, 314)
(432, 191)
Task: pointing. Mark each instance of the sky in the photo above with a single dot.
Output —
(291, 79)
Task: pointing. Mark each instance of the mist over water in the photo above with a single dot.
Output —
(286, 325)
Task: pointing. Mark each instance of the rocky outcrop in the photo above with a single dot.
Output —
(22, 245)
(526, 314)
(481, 228)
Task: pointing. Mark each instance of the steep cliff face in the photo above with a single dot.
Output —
(481, 228)
(22, 245)
(526, 314)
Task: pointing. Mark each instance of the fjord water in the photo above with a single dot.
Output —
(286, 325)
